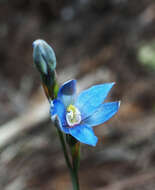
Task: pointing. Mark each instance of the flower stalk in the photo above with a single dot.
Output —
(75, 152)
(45, 62)
(74, 146)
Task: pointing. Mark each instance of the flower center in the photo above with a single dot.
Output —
(73, 116)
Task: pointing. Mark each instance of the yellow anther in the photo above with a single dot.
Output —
(71, 108)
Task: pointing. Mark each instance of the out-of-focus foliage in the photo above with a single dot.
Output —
(146, 55)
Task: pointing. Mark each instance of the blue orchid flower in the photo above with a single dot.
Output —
(77, 115)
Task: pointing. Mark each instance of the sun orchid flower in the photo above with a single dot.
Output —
(78, 114)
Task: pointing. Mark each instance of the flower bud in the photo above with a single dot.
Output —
(44, 57)
(45, 61)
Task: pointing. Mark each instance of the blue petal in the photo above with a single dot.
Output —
(58, 114)
(102, 114)
(67, 93)
(89, 100)
(84, 134)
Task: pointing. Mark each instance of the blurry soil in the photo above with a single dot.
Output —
(95, 36)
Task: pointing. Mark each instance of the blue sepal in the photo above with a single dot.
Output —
(67, 93)
(89, 100)
(102, 114)
(84, 134)
(58, 113)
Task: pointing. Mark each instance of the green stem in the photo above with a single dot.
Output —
(75, 162)
(75, 181)
(75, 152)
(63, 144)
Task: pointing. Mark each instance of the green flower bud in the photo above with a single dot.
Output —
(45, 61)
(44, 57)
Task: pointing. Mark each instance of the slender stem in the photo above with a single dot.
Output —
(73, 169)
(75, 181)
(75, 152)
(63, 144)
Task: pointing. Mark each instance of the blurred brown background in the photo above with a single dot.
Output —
(95, 41)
